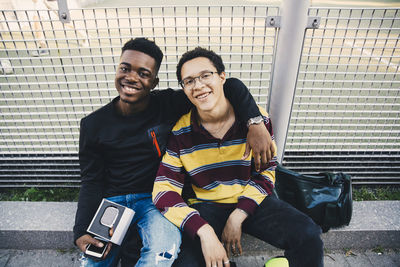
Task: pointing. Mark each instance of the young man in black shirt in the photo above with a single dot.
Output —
(121, 145)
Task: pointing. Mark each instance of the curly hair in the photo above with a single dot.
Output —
(146, 46)
(215, 59)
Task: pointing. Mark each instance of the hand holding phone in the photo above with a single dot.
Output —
(96, 252)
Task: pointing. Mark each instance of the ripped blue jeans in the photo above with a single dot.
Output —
(161, 239)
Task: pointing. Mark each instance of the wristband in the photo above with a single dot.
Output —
(255, 120)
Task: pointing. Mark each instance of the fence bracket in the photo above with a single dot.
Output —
(273, 22)
(63, 12)
(313, 22)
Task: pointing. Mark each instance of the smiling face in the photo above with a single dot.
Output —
(204, 96)
(135, 77)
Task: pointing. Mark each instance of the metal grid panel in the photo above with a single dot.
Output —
(43, 98)
(347, 104)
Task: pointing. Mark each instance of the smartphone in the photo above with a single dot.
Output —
(96, 252)
(109, 216)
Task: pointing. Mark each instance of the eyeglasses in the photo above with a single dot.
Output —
(204, 78)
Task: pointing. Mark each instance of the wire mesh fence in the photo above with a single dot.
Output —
(53, 74)
(347, 105)
(346, 109)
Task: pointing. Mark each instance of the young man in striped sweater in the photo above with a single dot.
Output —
(206, 146)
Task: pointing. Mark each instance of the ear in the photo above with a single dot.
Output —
(222, 75)
(155, 82)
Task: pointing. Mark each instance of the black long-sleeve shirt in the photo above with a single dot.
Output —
(120, 155)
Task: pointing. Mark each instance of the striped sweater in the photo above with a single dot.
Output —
(215, 170)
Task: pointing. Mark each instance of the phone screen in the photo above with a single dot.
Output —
(96, 251)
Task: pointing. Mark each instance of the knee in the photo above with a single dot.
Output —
(166, 241)
(311, 234)
(157, 232)
(312, 229)
(167, 254)
(305, 230)
(162, 251)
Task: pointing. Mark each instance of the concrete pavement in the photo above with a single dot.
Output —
(40, 234)
(48, 225)
(338, 258)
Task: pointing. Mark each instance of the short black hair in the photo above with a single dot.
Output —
(146, 46)
(215, 59)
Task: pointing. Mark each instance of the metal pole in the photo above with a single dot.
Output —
(287, 60)
(63, 11)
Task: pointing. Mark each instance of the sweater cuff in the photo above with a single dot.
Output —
(247, 204)
(193, 224)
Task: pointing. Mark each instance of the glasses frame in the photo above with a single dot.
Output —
(181, 83)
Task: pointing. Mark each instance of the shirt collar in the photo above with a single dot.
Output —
(198, 128)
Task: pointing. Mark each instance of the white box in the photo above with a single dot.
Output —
(111, 214)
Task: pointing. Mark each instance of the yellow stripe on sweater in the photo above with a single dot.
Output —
(220, 194)
(202, 157)
(171, 160)
(176, 215)
(161, 186)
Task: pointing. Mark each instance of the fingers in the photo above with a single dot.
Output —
(82, 247)
(246, 153)
(239, 247)
(221, 260)
(109, 245)
(264, 158)
(271, 151)
(220, 263)
(85, 240)
(236, 248)
(257, 161)
(215, 263)
(82, 242)
(111, 231)
(233, 248)
(96, 242)
(227, 249)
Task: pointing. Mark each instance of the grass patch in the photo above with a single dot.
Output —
(362, 193)
(378, 249)
(64, 251)
(39, 194)
(365, 193)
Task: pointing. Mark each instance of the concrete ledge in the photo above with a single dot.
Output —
(48, 225)
(374, 223)
(37, 225)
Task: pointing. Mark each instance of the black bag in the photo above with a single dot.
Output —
(325, 197)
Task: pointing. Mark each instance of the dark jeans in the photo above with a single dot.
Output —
(274, 222)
